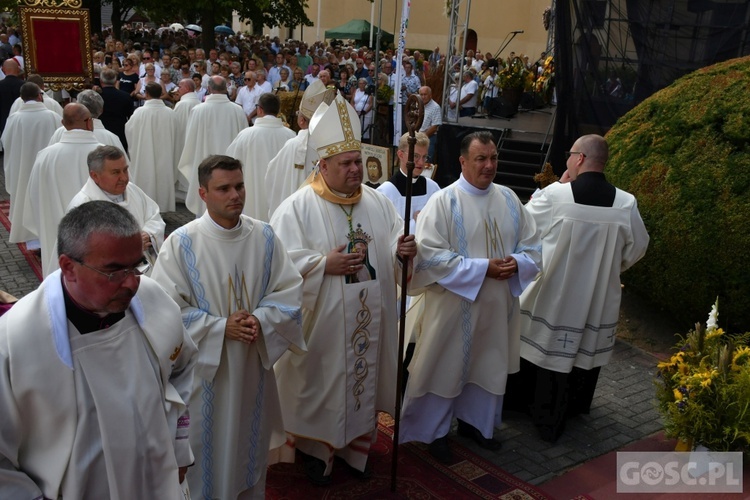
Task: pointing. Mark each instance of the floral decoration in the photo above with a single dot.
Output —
(703, 390)
(515, 75)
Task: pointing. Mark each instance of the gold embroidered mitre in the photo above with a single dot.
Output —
(315, 94)
(336, 128)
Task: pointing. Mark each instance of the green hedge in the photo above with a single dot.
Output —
(684, 153)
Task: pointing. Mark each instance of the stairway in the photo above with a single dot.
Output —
(518, 162)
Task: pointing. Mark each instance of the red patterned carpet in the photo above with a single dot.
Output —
(31, 257)
(419, 476)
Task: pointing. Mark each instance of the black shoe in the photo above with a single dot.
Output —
(469, 431)
(440, 450)
(314, 468)
(361, 474)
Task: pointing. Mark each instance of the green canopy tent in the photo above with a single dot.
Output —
(357, 29)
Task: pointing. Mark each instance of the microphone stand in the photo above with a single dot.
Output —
(505, 43)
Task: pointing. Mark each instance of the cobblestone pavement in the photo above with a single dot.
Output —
(623, 410)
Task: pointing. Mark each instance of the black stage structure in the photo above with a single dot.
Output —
(610, 55)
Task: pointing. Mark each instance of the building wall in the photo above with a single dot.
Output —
(492, 20)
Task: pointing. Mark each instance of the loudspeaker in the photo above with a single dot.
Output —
(531, 100)
(499, 106)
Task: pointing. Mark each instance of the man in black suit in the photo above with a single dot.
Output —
(10, 90)
(118, 106)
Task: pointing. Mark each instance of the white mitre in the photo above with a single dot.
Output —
(336, 128)
(315, 94)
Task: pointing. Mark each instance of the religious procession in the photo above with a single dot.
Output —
(265, 266)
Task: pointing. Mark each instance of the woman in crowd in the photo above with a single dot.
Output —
(231, 87)
(284, 82)
(149, 77)
(128, 77)
(343, 85)
(362, 103)
(298, 81)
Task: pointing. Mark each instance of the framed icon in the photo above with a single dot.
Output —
(377, 163)
(57, 45)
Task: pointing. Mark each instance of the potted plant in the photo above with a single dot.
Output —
(703, 390)
(512, 78)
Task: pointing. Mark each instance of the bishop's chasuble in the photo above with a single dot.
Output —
(211, 273)
(331, 393)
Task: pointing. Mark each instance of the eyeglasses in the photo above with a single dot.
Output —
(146, 58)
(246, 79)
(122, 274)
(568, 154)
(418, 157)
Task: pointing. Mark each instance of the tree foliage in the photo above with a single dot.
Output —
(685, 154)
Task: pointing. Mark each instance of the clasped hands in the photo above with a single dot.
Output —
(243, 327)
(502, 269)
(340, 263)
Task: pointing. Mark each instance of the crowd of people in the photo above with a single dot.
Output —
(266, 329)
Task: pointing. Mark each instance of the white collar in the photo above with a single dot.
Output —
(464, 185)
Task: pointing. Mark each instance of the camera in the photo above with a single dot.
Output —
(370, 90)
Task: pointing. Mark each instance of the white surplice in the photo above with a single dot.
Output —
(26, 133)
(255, 147)
(289, 169)
(417, 201)
(469, 336)
(212, 126)
(569, 313)
(332, 392)
(106, 420)
(182, 112)
(211, 273)
(104, 136)
(49, 103)
(151, 133)
(59, 172)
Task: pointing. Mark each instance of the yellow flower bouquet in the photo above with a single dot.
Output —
(703, 390)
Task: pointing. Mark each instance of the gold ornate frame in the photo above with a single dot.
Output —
(78, 52)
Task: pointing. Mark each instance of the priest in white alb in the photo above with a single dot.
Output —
(109, 180)
(255, 147)
(151, 133)
(298, 157)
(188, 100)
(58, 174)
(95, 104)
(95, 373)
(346, 241)
(240, 297)
(48, 101)
(211, 128)
(591, 232)
(26, 133)
(478, 250)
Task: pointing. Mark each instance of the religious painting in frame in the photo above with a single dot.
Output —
(377, 164)
(57, 45)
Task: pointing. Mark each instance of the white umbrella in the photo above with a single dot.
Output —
(194, 27)
(176, 27)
